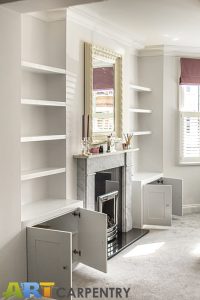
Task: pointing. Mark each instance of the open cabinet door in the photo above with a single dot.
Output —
(92, 235)
(177, 195)
(157, 204)
(50, 256)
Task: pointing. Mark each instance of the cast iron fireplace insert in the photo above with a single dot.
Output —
(108, 200)
(108, 204)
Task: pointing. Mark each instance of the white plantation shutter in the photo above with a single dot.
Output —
(190, 137)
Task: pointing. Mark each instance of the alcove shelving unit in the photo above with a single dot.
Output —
(43, 116)
(138, 110)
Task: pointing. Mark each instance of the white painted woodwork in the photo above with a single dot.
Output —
(43, 119)
(49, 256)
(27, 139)
(43, 210)
(92, 233)
(146, 177)
(33, 67)
(43, 155)
(12, 244)
(58, 237)
(177, 195)
(142, 132)
(139, 88)
(140, 110)
(135, 120)
(47, 187)
(153, 203)
(138, 181)
(43, 102)
(39, 86)
(157, 204)
(26, 175)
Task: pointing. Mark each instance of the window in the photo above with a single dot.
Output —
(189, 124)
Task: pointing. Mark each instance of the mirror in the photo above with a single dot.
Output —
(103, 92)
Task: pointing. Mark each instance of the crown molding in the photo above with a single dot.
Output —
(104, 27)
(169, 50)
(50, 16)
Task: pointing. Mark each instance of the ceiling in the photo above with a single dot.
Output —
(152, 22)
(24, 6)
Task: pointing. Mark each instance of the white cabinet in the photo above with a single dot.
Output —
(157, 204)
(53, 246)
(155, 199)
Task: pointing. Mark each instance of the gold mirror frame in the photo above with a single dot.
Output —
(93, 51)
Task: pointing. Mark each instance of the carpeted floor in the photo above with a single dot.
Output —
(164, 265)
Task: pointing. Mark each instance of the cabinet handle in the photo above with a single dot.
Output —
(76, 252)
(64, 267)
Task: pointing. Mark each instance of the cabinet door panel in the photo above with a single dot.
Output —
(92, 234)
(157, 204)
(177, 195)
(50, 256)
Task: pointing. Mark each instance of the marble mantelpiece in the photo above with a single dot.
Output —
(87, 166)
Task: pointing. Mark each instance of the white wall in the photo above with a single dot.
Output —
(77, 34)
(150, 73)
(12, 245)
(190, 174)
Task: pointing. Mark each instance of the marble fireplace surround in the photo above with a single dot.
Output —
(86, 170)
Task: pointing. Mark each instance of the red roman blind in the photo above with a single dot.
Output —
(190, 71)
(103, 78)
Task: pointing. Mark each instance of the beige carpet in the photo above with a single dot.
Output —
(164, 265)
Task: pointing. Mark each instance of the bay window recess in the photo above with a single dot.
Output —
(189, 110)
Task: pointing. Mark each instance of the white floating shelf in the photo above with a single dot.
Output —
(142, 111)
(41, 138)
(43, 102)
(142, 132)
(26, 175)
(139, 88)
(40, 211)
(32, 67)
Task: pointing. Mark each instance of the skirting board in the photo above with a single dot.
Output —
(191, 208)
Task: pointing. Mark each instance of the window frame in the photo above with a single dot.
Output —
(182, 113)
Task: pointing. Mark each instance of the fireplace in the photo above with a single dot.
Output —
(101, 174)
(108, 204)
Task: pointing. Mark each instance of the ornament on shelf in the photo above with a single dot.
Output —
(128, 138)
(85, 143)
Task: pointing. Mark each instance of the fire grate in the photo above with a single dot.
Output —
(108, 204)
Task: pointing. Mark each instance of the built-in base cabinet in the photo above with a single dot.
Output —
(157, 204)
(155, 201)
(53, 246)
(162, 199)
